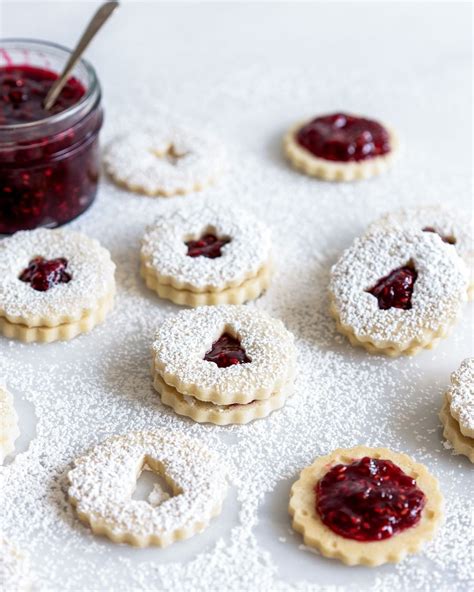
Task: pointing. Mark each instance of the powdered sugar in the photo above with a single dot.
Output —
(159, 159)
(89, 264)
(8, 424)
(461, 396)
(438, 293)
(164, 251)
(14, 568)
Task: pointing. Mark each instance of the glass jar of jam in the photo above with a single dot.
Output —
(49, 161)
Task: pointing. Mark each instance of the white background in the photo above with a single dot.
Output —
(247, 71)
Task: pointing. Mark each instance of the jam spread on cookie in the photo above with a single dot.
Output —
(207, 246)
(446, 239)
(344, 138)
(227, 351)
(368, 500)
(43, 274)
(395, 290)
(23, 90)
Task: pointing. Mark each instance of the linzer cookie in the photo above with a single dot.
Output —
(341, 147)
(453, 226)
(204, 255)
(162, 160)
(54, 284)
(366, 506)
(102, 483)
(8, 424)
(223, 364)
(396, 292)
(457, 412)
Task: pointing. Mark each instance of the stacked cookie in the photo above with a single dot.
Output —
(224, 364)
(457, 412)
(200, 255)
(54, 284)
(400, 287)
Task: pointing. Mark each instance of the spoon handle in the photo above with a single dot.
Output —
(94, 25)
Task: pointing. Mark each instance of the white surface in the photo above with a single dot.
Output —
(249, 71)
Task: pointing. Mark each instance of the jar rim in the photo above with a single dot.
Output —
(93, 87)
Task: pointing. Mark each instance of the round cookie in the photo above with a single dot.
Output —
(202, 255)
(451, 431)
(396, 292)
(261, 360)
(454, 227)
(9, 431)
(54, 284)
(461, 397)
(102, 483)
(341, 147)
(164, 160)
(375, 531)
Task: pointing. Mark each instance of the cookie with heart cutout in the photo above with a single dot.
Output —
(224, 355)
(397, 291)
(54, 284)
(341, 147)
(400, 510)
(205, 255)
(14, 568)
(453, 226)
(164, 160)
(9, 431)
(103, 480)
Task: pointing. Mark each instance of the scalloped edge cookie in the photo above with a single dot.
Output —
(63, 332)
(460, 396)
(329, 170)
(9, 431)
(102, 495)
(302, 508)
(206, 412)
(250, 289)
(461, 444)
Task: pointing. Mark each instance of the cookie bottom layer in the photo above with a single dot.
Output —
(63, 332)
(373, 347)
(329, 170)
(249, 290)
(451, 431)
(306, 520)
(206, 412)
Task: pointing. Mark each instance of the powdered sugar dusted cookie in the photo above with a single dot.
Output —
(460, 397)
(8, 424)
(164, 160)
(341, 147)
(14, 568)
(461, 443)
(397, 291)
(454, 227)
(400, 509)
(54, 284)
(224, 354)
(102, 483)
(204, 255)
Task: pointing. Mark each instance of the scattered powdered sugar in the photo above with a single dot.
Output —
(99, 384)
(164, 249)
(182, 341)
(156, 158)
(438, 294)
(14, 568)
(8, 423)
(103, 481)
(89, 264)
(461, 396)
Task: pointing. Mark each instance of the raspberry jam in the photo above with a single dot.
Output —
(207, 246)
(43, 273)
(49, 161)
(368, 500)
(227, 351)
(446, 239)
(344, 138)
(396, 289)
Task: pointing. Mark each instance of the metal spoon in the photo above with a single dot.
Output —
(94, 25)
